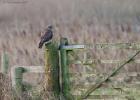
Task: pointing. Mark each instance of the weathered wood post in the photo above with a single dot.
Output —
(18, 77)
(65, 70)
(19, 86)
(52, 68)
(4, 63)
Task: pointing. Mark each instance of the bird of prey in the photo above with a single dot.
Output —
(47, 36)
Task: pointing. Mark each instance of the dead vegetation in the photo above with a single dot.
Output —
(5, 88)
(82, 21)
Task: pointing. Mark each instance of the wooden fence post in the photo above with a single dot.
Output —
(65, 70)
(52, 68)
(4, 63)
(18, 77)
(19, 86)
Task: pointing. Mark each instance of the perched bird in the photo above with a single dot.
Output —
(47, 36)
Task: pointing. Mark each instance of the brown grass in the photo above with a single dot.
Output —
(81, 21)
(5, 88)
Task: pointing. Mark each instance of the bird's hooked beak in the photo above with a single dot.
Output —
(50, 28)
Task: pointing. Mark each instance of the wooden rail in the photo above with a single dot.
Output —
(18, 71)
(101, 61)
(4, 63)
(103, 46)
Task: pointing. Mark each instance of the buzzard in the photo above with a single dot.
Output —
(47, 36)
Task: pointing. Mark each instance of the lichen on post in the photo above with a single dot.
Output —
(52, 68)
(65, 70)
(18, 77)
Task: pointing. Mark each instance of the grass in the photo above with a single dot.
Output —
(5, 88)
(90, 21)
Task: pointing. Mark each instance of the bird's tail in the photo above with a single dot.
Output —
(40, 45)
